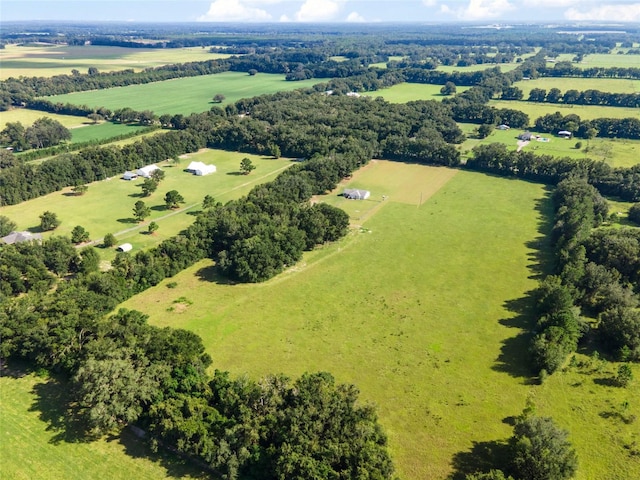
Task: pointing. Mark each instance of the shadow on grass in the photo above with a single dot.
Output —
(137, 195)
(52, 400)
(212, 274)
(482, 457)
(237, 174)
(160, 208)
(127, 220)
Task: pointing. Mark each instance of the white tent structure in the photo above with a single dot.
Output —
(199, 168)
(355, 194)
(125, 247)
(147, 170)
(128, 175)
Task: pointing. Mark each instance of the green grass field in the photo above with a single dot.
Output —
(615, 152)
(406, 92)
(27, 117)
(535, 110)
(613, 85)
(34, 445)
(184, 95)
(431, 300)
(609, 60)
(46, 61)
(107, 206)
(102, 131)
(505, 67)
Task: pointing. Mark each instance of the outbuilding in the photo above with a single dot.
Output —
(125, 247)
(355, 194)
(565, 134)
(147, 171)
(19, 237)
(200, 169)
(129, 175)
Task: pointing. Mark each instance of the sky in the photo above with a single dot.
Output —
(274, 11)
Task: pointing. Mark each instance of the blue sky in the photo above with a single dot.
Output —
(491, 11)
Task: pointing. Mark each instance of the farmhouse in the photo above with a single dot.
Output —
(147, 170)
(565, 134)
(19, 237)
(355, 194)
(129, 175)
(199, 168)
(125, 247)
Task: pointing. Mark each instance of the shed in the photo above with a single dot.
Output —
(19, 237)
(147, 170)
(565, 133)
(199, 168)
(125, 247)
(503, 127)
(129, 175)
(355, 194)
(525, 136)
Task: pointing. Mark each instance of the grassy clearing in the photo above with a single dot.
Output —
(613, 85)
(615, 152)
(505, 67)
(102, 131)
(107, 206)
(407, 92)
(418, 295)
(34, 445)
(184, 95)
(609, 60)
(27, 117)
(535, 110)
(47, 61)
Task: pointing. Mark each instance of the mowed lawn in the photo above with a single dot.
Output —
(47, 61)
(407, 92)
(107, 207)
(412, 307)
(184, 95)
(35, 446)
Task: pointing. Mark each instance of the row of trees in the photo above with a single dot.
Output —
(586, 97)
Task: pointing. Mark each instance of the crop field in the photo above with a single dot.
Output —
(613, 85)
(34, 445)
(535, 110)
(615, 152)
(407, 92)
(27, 117)
(47, 61)
(431, 299)
(103, 131)
(107, 207)
(184, 95)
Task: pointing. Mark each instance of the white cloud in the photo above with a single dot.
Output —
(549, 3)
(355, 17)
(318, 11)
(235, 11)
(617, 13)
(479, 9)
(284, 18)
(429, 3)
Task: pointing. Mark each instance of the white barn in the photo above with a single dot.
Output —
(355, 194)
(199, 168)
(125, 247)
(147, 170)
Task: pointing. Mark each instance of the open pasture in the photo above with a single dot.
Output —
(585, 112)
(505, 67)
(102, 131)
(407, 92)
(613, 85)
(425, 309)
(27, 117)
(614, 151)
(107, 207)
(419, 295)
(35, 446)
(610, 60)
(47, 61)
(184, 95)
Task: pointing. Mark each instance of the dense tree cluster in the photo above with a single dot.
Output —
(45, 132)
(586, 97)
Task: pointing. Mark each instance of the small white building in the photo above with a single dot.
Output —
(503, 127)
(355, 194)
(129, 175)
(147, 170)
(200, 169)
(125, 247)
(19, 237)
(565, 134)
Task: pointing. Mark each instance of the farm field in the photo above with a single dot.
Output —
(184, 95)
(47, 61)
(613, 85)
(609, 60)
(435, 314)
(505, 67)
(27, 117)
(103, 131)
(535, 110)
(35, 447)
(407, 92)
(615, 152)
(107, 206)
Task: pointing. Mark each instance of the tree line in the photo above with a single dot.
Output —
(586, 97)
